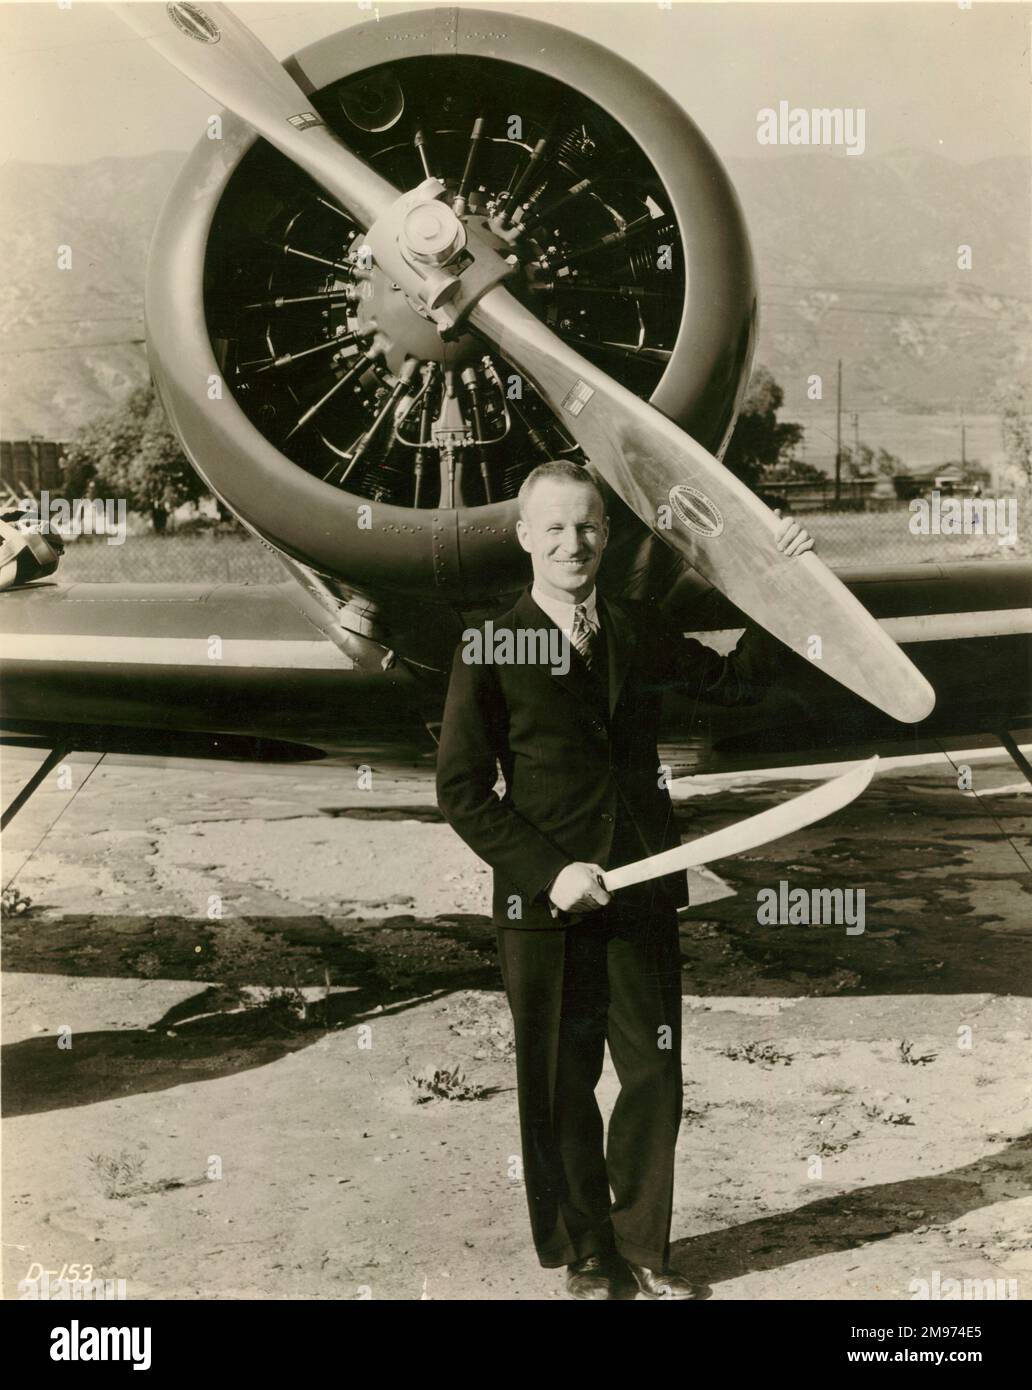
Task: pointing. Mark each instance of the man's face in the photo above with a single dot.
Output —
(564, 530)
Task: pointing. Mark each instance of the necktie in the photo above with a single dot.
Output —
(582, 635)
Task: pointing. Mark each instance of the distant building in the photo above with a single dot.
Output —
(818, 494)
(31, 466)
(950, 479)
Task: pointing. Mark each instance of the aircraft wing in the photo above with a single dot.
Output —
(240, 670)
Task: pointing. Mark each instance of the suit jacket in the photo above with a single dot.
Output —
(573, 756)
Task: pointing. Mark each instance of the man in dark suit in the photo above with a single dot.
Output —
(575, 742)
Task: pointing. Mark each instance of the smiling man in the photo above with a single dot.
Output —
(582, 791)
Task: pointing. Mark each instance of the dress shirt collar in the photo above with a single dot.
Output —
(561, 612)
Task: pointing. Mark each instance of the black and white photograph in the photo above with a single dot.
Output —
(516, 661)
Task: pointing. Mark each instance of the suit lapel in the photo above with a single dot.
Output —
(620, 640)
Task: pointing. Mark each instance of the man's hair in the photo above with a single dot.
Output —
(557, 470)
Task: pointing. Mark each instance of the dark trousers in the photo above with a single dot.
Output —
(613, 976)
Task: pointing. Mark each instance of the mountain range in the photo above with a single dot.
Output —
(857, 259)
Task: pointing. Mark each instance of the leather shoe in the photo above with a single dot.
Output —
(654, 1283)
(591, 1277)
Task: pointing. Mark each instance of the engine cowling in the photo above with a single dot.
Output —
(326, 411)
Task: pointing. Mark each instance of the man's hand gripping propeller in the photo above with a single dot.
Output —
(583, 888)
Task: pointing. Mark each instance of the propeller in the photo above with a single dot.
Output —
(674, 485)
(218, 52)
(726, 533)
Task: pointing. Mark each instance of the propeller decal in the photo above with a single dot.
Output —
(193, 22)
(695, 510)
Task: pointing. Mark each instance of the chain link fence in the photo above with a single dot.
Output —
(885, 538)
(204, 558)
(844, 539)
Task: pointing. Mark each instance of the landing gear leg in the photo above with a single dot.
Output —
(1021, 762)
(45, 768)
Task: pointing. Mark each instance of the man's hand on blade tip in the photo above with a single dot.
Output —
(578, 888)
(793, 539)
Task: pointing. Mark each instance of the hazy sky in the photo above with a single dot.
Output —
(76, 84)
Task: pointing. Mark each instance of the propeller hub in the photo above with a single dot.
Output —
(432, 233)
(405, 329)
(400, 296)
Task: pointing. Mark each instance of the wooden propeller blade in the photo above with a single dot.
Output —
(772, 824)
(217, 51)
(694, 504)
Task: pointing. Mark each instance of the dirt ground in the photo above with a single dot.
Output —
(255, 1044)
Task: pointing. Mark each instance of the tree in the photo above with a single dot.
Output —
(888, 465)
(798, 470)
(793, 470)
(759, 441)
(1016, 429)
(132, 454)
(862, 466)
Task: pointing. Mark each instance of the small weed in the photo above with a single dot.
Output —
(448, 1085)
(825, 1148)
(15, 904)
(287, 1010)
(889, 1114)
(765, 1053)
(117, 1174)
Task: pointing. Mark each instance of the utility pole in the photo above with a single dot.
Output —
(856, 438)
(963, 444)
(838, 436)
